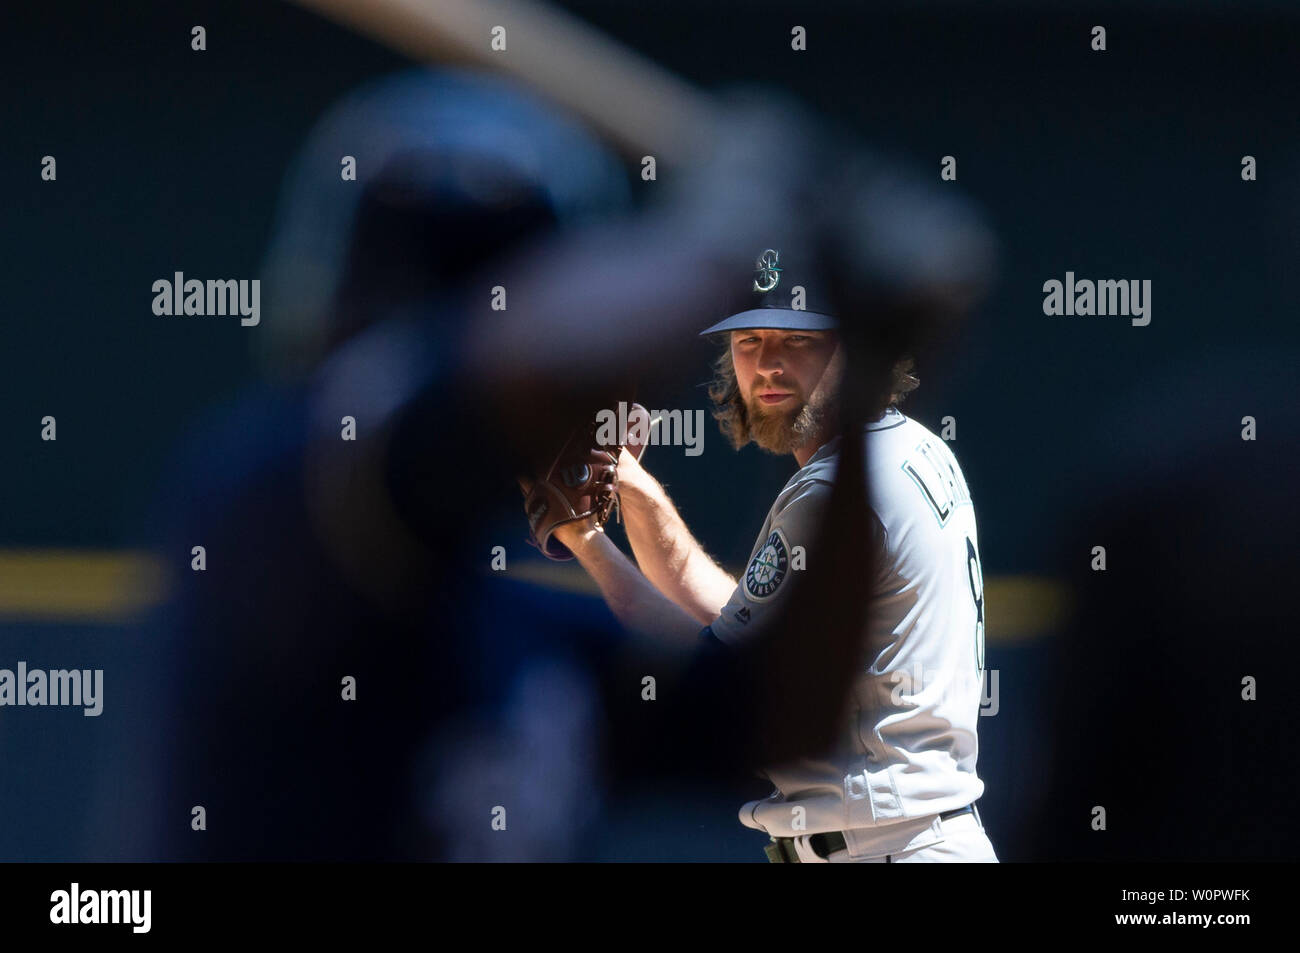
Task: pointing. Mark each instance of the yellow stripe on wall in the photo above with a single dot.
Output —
(71, 585)
(1018, 608)
(77, 585)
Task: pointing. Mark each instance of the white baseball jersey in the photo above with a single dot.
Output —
(909, 748)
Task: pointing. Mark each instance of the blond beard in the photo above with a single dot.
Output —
(785, 431)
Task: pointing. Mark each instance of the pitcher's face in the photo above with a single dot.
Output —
(789, 380)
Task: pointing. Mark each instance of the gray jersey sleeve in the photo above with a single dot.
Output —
(781, 551)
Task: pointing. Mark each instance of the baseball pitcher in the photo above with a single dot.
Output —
(900, 783)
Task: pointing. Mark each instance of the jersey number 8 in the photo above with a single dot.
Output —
(976, 577)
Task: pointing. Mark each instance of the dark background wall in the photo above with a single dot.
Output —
(1123, 164)
(1111, 165)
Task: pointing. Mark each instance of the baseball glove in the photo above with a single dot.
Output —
(581, 481)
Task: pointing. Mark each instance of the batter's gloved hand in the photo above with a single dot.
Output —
(581, 481)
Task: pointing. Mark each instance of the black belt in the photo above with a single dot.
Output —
(781, 850)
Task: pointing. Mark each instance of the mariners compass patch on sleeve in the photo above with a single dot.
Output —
(768, 568)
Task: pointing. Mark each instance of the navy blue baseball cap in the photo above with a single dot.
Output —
(787, 294)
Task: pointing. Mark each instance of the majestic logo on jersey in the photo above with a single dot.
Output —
(742, 615)
(767, 273)
(768, 568)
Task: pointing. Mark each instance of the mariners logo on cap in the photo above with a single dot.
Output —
(767, 271)
(767, 568)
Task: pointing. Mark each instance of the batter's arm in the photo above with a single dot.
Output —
(671, 558)
(641, 608)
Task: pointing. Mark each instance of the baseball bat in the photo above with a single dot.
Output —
(637, 105)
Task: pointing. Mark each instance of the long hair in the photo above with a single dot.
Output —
(733, 417)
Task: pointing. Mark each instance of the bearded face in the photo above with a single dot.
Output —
(790, 425)
(788, 382)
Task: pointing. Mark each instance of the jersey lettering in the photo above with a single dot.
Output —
(933, 469)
